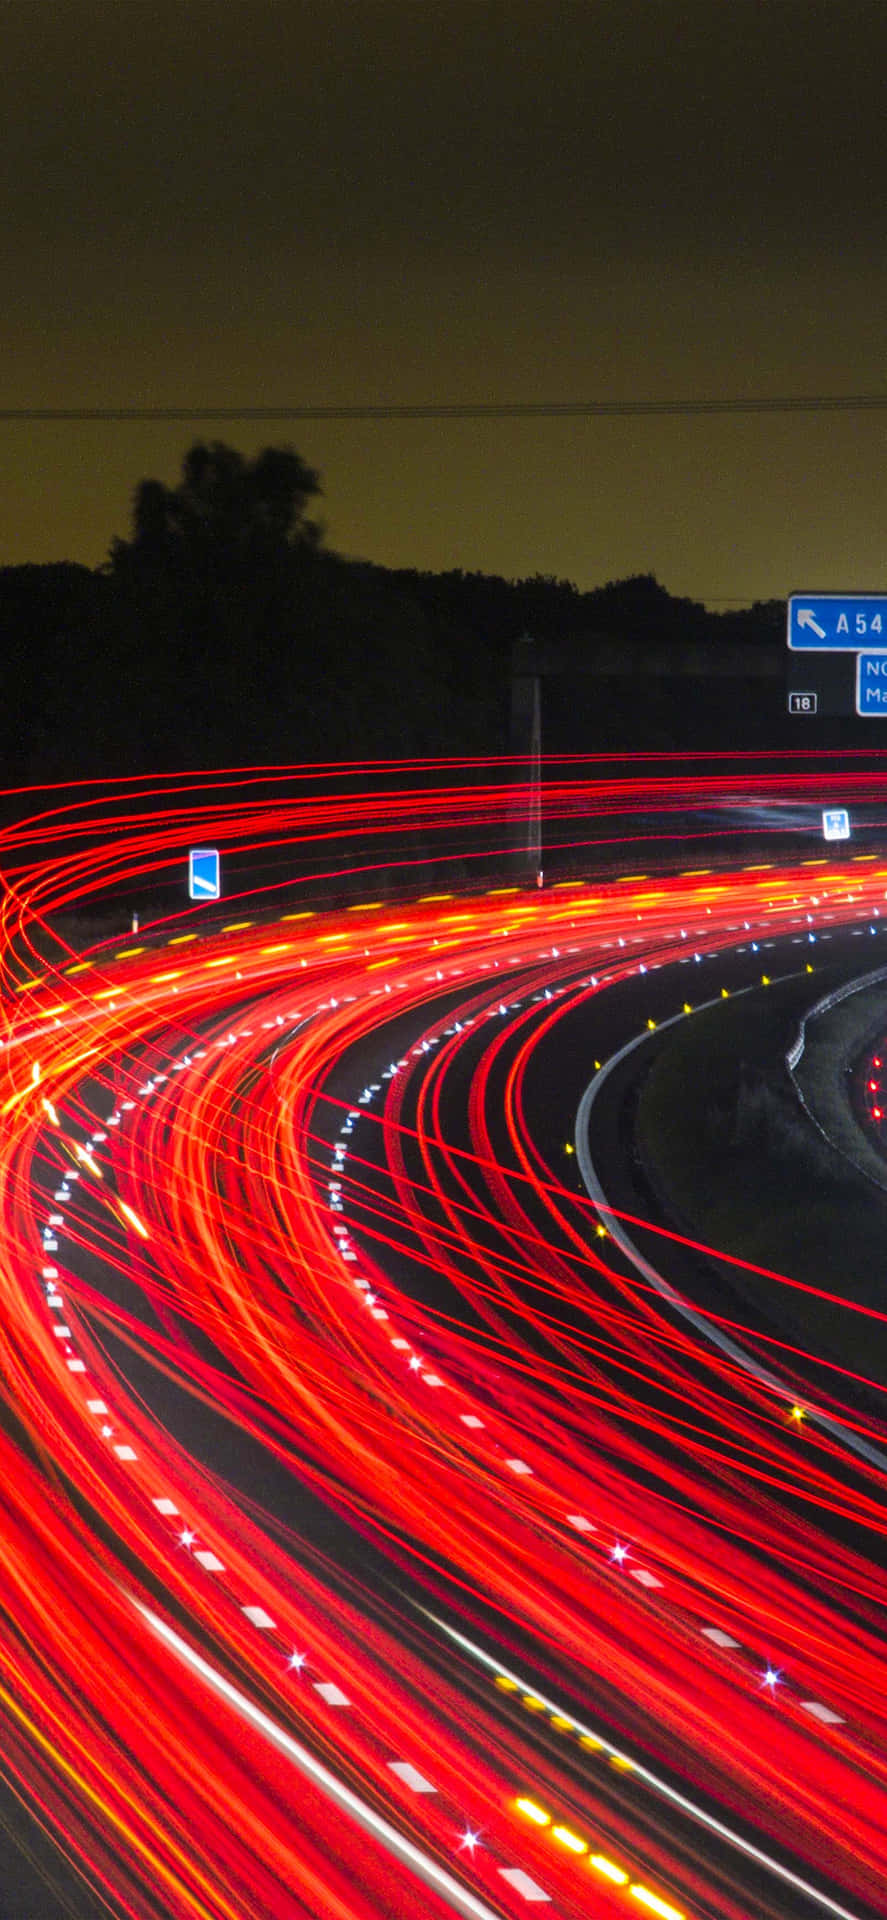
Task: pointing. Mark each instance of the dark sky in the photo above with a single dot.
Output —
(279, 202)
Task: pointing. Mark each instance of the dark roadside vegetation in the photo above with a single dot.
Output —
(735, 1161)
(223, 632)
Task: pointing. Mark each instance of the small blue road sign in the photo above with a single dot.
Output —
(871, 684)
(836, 622)
(204, 878)
(835, 823)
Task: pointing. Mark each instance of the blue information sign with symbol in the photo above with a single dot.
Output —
(871, 684)
(204, 877)
(836, 622)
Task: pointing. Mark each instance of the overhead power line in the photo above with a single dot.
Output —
(471, 410)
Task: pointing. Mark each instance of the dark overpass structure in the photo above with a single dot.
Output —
(599, 656)
(719, 682)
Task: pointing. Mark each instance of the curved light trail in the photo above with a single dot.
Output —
(857, 1442)
(376, 1540)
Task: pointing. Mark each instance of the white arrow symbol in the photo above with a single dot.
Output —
(805, 619)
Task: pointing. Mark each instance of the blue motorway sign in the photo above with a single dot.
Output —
(871, 684)
(204, 878)
(836, 622)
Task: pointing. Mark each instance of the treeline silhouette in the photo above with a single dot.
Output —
(223, 631)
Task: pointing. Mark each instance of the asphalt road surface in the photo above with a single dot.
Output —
(377, 1540)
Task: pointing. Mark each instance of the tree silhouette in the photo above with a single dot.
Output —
(212, 585)
(224, 505)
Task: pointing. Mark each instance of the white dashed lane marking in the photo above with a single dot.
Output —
(825, 1714)
(258, 1616)
(332, 1694)
(411, 1776)
(522, 1883)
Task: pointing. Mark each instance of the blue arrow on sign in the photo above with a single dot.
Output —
(204, 877)
(836, 622)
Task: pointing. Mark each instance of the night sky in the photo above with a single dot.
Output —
(363, 202)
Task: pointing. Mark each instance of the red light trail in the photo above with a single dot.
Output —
(578, 1629)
